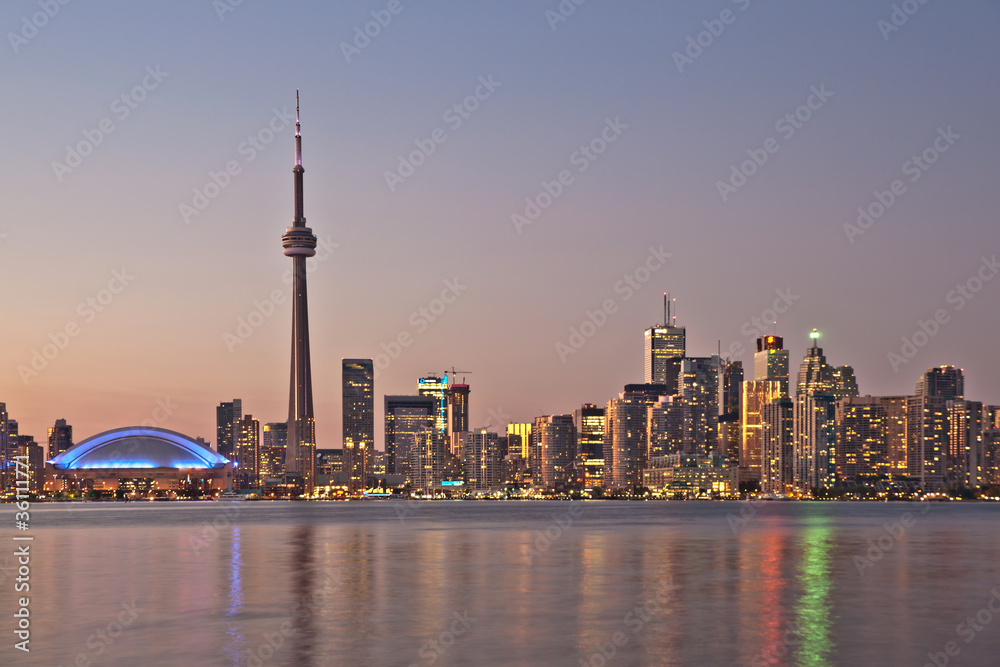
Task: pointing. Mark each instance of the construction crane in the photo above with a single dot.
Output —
(454, 371)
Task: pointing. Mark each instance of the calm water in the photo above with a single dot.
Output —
(477, 583)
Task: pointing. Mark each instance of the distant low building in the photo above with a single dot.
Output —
(690, 475)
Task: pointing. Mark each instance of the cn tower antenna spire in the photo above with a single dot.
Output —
(298, 133)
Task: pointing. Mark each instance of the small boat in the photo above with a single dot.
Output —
(231, 495)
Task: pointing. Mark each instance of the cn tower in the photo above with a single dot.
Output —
(299, 243)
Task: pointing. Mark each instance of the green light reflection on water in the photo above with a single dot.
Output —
(813, 609)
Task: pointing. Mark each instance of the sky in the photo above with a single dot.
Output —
(836, 162)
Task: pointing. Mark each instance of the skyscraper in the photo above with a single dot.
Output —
(665, 427)
(274, 434)
(862, 448)
(4, 446)
(991, 457)
(732, 386)
(556, 437)
(25, 446)
(359, 421)
(248, 453)
(731, 394)
(434, 386)
(227, 427)
(60, 438)
(815, 427)
(427, 460)
(663, 348)
(756, 394)
(480, 455)
(588, 421)
(299, 244)
(770, 362)
(895, 432)
(845, 385)
(625, 439)
(945, 382)
(777, 446)
(458, 408)
(965, 443)
(699, 389)
(273, 443)
(406, 418)
(927, 440)
(815, 375)
(523, 431)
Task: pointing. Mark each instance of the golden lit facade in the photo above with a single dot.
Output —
(523, 431)
(756, 394)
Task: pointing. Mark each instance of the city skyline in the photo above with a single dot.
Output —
(148, 334)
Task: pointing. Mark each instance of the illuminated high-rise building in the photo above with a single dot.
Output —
(947, 382)
(625, 441)
(523, 433)
(428, 460)
(895, 432)
(248, 453)
(556, 437)
(665, 427)
(663, 348)
(965, 443)
(699, 390)
(227, 427)
(406, 418)
(273, 442)
(991, 457)
(10, 437)
(815, 375)
(588, 422)
(274, 434)
(625, 438)
(844, 384)
(777, 446)
(24, 446)
(33, 455)
(60, 438)
(458, 408)
(732, 387)
(770, 362)
(815, 434)
(991, 418)
(861, 447)
(756, 394)
(437, 388)
(927, 441)
(729, 410)
(358, 422)
(300, 244)
(480, 456)
(4, 446)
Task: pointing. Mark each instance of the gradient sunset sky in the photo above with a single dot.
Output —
(214, 77)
